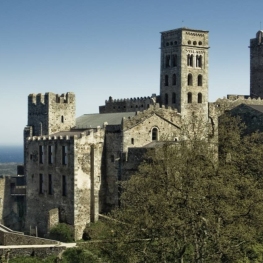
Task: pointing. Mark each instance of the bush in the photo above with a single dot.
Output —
(78, 255)
(62, 232)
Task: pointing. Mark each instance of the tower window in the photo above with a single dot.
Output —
(200, 80)
(174, 98)
(167, 61)
(190, 60)
(199, 61)
(50, 154)
(41, 154)
(62, 119)
(189, 97)
(64, 155)
(50, 184)
(132, 140)
(166, 99)
(190, 80)
(174, 60)
(199, 98)
(64, 186)
(166, 80)
(154, 134)
(41, 184)
(174, 79)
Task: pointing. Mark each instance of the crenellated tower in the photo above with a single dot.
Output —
(256, 65)
(184, 71)
(50, 113)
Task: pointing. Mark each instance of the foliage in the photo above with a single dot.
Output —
(62, 232)
(32, 260)
(182, 206)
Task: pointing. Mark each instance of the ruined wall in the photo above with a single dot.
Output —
(46, 189)
(88, 151)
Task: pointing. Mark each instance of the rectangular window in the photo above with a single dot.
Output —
(41, 184)
(50, 154)
(50, 184)
(64, 155)
(41, 154)
(64, 187)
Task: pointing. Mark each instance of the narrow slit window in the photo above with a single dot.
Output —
(199, 98)
(174, 79)
(132, 140)
(62, 119)
(189, 97)
(41, 184)
(174, 98)
(64, 186)
(167, 61)
(64, 155)
(174, 60)
(200, 80)
(50, 184)
(166, 80)
(50, 154)
(41, 154)
(190, 80)
(166, 98)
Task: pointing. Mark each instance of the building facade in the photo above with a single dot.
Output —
(73, 165)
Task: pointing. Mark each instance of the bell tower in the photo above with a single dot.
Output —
(184, 71)
(256, 65)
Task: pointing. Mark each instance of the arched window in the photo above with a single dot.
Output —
(174, 60)
(167, 61)
(154, 134)
(200, 80)
(190, 80)
(174, 98)
(190, 60)
(174, 79)
(166, 99)
(199, 98)
(189, 97)
(166, 80)
(199, 61)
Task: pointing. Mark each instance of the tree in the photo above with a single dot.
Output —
(182, 206)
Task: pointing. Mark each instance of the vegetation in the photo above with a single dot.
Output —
(62, 232)
(183, 206)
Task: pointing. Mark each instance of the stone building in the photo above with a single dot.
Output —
(72, 165)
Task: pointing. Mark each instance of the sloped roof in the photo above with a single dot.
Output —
(257, 107)
(87, 121)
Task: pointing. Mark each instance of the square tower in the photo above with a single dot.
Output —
(184, 71)
(256, 65)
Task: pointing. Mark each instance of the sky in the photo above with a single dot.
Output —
(102, 48)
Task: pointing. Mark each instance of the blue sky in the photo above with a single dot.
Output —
(102, 48)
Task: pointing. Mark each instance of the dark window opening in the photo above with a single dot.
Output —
(174, 79)
(167, 61)
(174, 60)
(41, 154)
(174, 98)
(62, 119)
(64, 186)
(64, 155)
(132, 140)
(166, 80)
(189, 60)
(199, 98)
(199, 80)
(154, 134)
(166, 98)
(190, 80)
(41, 184)
(199, 61)
(189, 97)
(50, 154)
(50, 184)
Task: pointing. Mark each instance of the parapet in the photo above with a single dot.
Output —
(40, 99)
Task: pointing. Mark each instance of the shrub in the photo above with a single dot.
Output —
(79, 255)
(62, 232)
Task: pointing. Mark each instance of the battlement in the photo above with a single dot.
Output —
(44, 99)
(131, 100)
(67, 137)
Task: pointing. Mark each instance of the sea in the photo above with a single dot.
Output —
(11, 154)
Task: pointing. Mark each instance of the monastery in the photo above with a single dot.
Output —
(72, 165)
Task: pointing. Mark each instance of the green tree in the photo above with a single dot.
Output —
(62, 232)
(182, 206)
